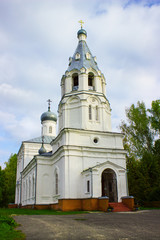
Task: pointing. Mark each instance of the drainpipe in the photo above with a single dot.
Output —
(91, 182)
(35, 190)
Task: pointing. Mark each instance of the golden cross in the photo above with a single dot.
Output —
(81, 22)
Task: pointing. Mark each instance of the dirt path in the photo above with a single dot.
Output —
(144, 225)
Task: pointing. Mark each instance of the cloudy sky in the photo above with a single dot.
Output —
(37, 37)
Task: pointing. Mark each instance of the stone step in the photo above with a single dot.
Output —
(119, 207)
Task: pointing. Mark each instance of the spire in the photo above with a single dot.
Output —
(82, 56)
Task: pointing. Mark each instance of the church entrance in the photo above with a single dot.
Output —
(109, 184)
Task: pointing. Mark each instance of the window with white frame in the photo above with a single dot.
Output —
(90, 112)
(88, 186)
(96, 113)
(29, 188)
(56, 183)
(75, 80)
(33, 185)
(26, 189)
(77, 56)
(91, 81)
(50, 129)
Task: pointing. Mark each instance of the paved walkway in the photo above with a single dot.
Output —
(142, 225)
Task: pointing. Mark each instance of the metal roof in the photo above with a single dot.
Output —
(47, 139)
(82, 49)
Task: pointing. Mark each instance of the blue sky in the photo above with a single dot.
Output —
(37, 38)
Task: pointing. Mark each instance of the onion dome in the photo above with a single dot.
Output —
(81, 31)
(48, 115)
(42, 150)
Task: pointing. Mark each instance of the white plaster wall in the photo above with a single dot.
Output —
(31, 149)
(74, 112)
(46, 169)
(45, 128)
(28, 185)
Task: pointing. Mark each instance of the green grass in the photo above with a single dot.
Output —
(148, 208)
(7, 229)
(22, 211)
(8, 224)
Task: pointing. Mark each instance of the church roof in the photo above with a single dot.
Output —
(83, 60)
(47, 139)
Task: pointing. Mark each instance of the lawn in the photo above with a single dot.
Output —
(23, 211)
(7, 229)
(8, 225)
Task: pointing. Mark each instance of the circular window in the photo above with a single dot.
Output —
(95, 140)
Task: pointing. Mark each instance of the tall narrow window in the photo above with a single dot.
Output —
(96, 113)
(88, 186)
(33, 186)
(90, 112)
(56, 183)
(50, 129)
(26, 190)
(90, 81)
(75, 81)
(29, 190)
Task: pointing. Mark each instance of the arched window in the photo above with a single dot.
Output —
(24, 191)
(56, 182)
(75, 82)
(90, 112)
(50, 129)
(90, 81)
(96, 113)
(29, 188)
(77, 56)
(33, 186)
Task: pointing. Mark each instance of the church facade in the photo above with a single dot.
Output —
(85, 160)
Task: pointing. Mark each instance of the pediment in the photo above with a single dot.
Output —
(100, 165)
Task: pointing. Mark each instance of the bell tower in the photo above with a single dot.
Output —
(83, 102)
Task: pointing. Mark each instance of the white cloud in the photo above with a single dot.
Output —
(19, 128)
(38, 37)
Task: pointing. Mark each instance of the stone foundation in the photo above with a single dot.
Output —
(12, 205)
(88, 204)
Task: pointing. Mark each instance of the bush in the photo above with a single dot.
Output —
(154, 194)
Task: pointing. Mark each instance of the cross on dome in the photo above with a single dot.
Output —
(81, 23)
(49, 104)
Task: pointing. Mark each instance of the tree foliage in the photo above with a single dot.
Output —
(8, 181)
(143, 150)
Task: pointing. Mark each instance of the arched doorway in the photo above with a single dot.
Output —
(109, 184)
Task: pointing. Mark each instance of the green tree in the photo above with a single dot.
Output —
(10, 178)
(138, 134)
(155, 116)
(143, 150)
(1, 186)
(8, 181)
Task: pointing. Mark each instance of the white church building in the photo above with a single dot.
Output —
(83, 163)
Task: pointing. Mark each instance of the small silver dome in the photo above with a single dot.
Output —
(48, 116)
